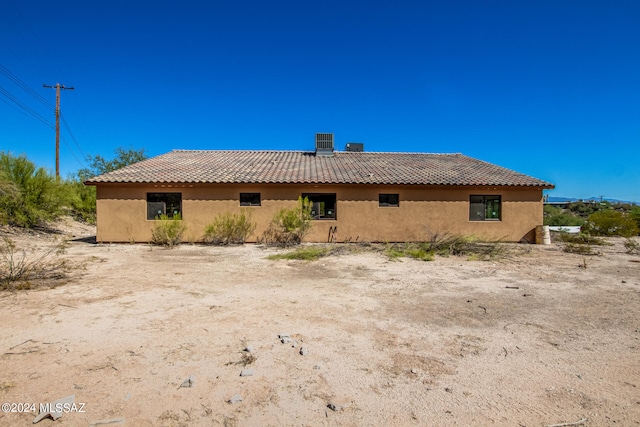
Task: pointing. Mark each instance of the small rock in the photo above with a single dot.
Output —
(53, 413)
(235, 399)
(286, 339)
(334, 407)
(303, 351)
(414, 371)
(249, 349)
(111, 422)
(189, 382)
(247, 372)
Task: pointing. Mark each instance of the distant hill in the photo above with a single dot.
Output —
(559, 199)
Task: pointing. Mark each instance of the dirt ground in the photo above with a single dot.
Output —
(538, 338)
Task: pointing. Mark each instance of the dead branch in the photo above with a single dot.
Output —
(577, 423)
(23, 342)
(22, 352)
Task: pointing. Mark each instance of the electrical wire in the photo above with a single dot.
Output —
(15, 79)
(75, 141)
(25, 107)
(68, 147)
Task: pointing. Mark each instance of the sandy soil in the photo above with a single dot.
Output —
(530, 340)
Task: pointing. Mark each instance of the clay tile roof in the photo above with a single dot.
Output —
(298, 167)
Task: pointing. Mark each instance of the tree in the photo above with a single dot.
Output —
(99, 165)
(611, 223)
(29, 196)
(82, 198)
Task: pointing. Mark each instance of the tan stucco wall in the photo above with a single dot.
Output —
(122, 213)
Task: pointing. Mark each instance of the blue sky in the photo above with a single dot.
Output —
(547, 88)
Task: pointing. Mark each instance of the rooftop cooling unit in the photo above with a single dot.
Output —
(356, 147)
(324, 144)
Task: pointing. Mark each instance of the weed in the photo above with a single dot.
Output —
(632, 246)
(168, 231)
(447, 245)
(289, 226)
(229, 229)
(582, 249)
(582, 239)
(308, 253)
(18, 268)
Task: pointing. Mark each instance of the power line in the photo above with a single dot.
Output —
(71, 151)
(66, 125)
(15, 79)
(25, 107)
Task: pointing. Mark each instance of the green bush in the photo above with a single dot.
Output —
(635, 214)
(611, 223)
(310, 253)
(81, 200)
(29, 196)
(289, 226)
(582, 239)
(556, 216)
(578, 248)
(168, 231)
(229, 229)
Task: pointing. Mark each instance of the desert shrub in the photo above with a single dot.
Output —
(582, 249)
(168, 231)
(29, 196)
(308, 253)
(556, 216)
(419, 251)
(584, 209)
(635, 214)
(81, 200)
(228, 228)
(611, 223)
(632, 246)
(446, 245)
(581, 243)
(289, 226)
(18, 268)
(582, 239)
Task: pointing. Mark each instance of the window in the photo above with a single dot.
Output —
(169, 204)
(323, 205)
(249, 199)
(484, 208)
(392, 200)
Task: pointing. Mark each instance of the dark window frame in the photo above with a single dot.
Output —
(163, 203)
(485, 207)
(389, 200)
(324, 205)
(250, 199)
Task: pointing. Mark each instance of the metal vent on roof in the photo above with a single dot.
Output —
(324, 144)
(355, 147)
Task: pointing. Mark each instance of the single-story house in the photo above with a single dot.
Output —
(356, 195)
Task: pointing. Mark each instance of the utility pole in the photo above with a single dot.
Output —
(57, 87)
